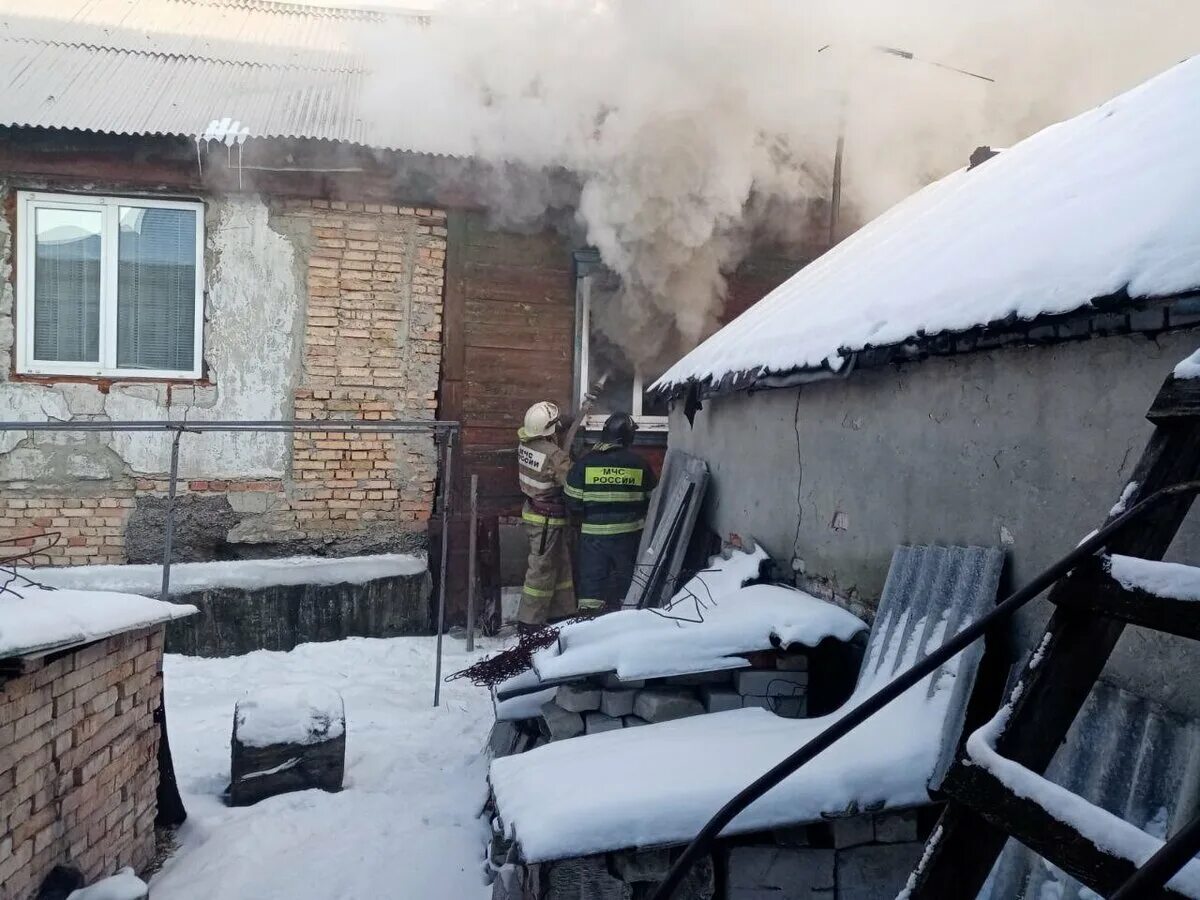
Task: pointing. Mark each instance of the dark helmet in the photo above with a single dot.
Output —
(619, 429)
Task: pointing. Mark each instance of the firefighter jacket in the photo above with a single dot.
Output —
(610, 488)
(541, 469)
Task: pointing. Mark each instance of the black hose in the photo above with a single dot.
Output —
(704, 840)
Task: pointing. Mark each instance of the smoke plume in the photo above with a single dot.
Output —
(695, 128)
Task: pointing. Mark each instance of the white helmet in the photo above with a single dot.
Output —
(541, 419)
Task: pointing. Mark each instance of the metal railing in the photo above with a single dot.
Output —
(1161, 867)
(443, 433)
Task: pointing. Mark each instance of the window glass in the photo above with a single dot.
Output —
(156, 288)
(66, 274)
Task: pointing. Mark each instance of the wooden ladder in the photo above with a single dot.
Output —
(1091, 610)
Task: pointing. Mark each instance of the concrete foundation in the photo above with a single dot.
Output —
(233, 621)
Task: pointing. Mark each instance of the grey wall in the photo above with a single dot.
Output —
(1026, 447)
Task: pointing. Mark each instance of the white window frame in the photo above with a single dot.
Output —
(596, 422)
(28, 202)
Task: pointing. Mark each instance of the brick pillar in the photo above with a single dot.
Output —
(372, 349)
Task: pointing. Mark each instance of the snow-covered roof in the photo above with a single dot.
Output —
(34, 620)
(711, 620)
(658, 784)
(244, 573)
(1097, 206)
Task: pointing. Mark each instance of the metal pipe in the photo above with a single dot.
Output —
(472, 540)
(287, 425)
(441, 627)
(1162, 866)
(169, 517)
(881, 698)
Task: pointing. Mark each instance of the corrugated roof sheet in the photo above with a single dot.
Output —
(933, 592)
(1134, 759)
(170, 67)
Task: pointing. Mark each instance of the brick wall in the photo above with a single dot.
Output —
(90, 529)
(372, 351)
(78, 762)
(372, 277)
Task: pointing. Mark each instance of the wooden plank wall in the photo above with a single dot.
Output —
(509, 341)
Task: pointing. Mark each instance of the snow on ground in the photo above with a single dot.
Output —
(34, 619)
(1084, 209)
(405, 826)
(242, 573)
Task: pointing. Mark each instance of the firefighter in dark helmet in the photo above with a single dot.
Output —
(609, 489)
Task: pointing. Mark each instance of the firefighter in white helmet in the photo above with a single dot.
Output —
(543, 460)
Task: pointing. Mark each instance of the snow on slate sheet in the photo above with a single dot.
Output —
(34, 619)
(247, 574)
(405, 825)
(659, 784)
(1087, 208)
(712, 618)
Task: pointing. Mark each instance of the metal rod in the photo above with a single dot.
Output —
(441, 624)
(286, 425)
(472, 542)
(169, 516)
(1162, 866)
(877, 701)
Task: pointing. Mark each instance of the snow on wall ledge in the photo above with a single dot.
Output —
(246, 574)
(1088, 208)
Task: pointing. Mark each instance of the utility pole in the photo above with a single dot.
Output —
(835, 199)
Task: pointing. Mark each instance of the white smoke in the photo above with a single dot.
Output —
(695, 127)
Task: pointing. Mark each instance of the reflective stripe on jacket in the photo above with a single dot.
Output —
(610, 488)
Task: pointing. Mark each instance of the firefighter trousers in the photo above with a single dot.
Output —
(549, 591)
(606, 567)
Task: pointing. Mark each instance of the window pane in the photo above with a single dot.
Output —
(66, 285)
(156, 289)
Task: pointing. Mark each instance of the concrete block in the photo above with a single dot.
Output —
(876, 872)
(633, 721)
(641, 865)
(896, 827)
(662, 705)
(503, 739)
(796, 836)
(770, 682)
(578, 698)
(792, 662)
(852, 831)
(560, 723)
(585, 878)
(760, 702)
(612, 682)
(617, 703)
(595, 722)
(699, 679)
(778, 873)
(721, 699)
